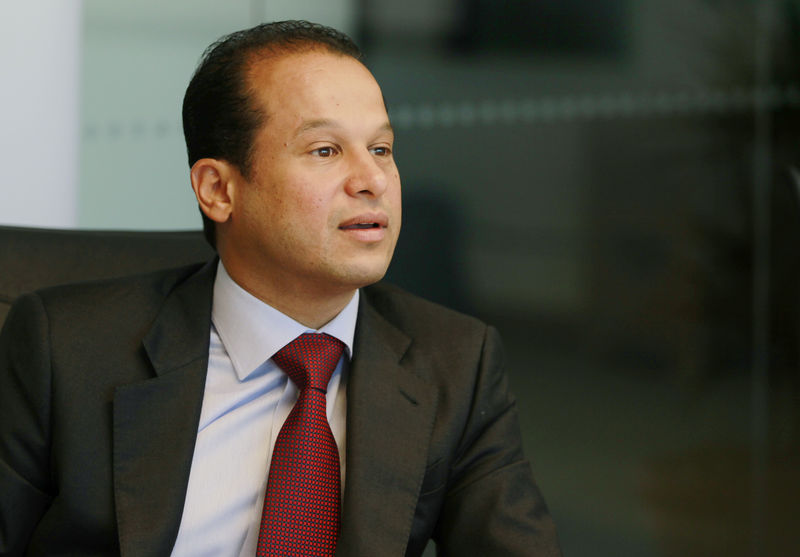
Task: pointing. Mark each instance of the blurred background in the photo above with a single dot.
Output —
(612, 183)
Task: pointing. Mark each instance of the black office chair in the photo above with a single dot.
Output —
(32, 258)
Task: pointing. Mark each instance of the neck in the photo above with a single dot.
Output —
(312, 307)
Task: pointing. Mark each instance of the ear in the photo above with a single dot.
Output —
(211, 182)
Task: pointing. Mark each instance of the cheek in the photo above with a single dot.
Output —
(308, 214)
(395, 192)
(312, 210)
(316, 203)
(305, 194)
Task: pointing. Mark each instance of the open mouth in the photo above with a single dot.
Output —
(365, 221)
(367, 228)
(361, 226)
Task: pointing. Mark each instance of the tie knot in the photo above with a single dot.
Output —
(309, 360)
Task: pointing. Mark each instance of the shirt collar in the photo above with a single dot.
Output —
(252, 331)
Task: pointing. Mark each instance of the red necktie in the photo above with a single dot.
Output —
(301, 505)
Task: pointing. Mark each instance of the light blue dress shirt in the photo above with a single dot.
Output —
(246, 400)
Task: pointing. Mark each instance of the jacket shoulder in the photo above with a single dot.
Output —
(418, 317)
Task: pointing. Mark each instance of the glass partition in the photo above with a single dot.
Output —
(613, 184)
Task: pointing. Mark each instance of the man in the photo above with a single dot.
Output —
(149, 415)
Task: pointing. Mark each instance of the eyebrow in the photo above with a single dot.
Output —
(316, 124)
(327, 123)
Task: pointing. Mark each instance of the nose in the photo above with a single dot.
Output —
(366, 175)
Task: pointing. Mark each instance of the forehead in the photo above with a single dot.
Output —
(312, 83)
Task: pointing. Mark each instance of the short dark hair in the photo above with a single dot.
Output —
(219, 117)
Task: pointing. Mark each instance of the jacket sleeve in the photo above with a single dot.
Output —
(24, 423)
(492, 506)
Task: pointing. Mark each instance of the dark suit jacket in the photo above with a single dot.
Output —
(101, 386)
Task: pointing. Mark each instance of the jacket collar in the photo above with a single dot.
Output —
(155, 420)
(390, 416)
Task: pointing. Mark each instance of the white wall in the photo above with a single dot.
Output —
(40, 58)
(90, 132)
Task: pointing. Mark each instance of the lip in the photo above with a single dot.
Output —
(377, 220)
(367, 227)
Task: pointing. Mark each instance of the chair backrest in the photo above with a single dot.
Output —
(32, 258)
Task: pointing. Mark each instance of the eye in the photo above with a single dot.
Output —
(381, 151)
(324, 152)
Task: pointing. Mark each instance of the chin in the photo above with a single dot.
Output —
(367, 279)
(359, 277)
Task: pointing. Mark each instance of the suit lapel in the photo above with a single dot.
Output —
(390, 416)
(155, 421)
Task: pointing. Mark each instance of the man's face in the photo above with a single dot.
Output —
(321, 207)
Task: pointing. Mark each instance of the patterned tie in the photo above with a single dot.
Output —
(301, 505)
